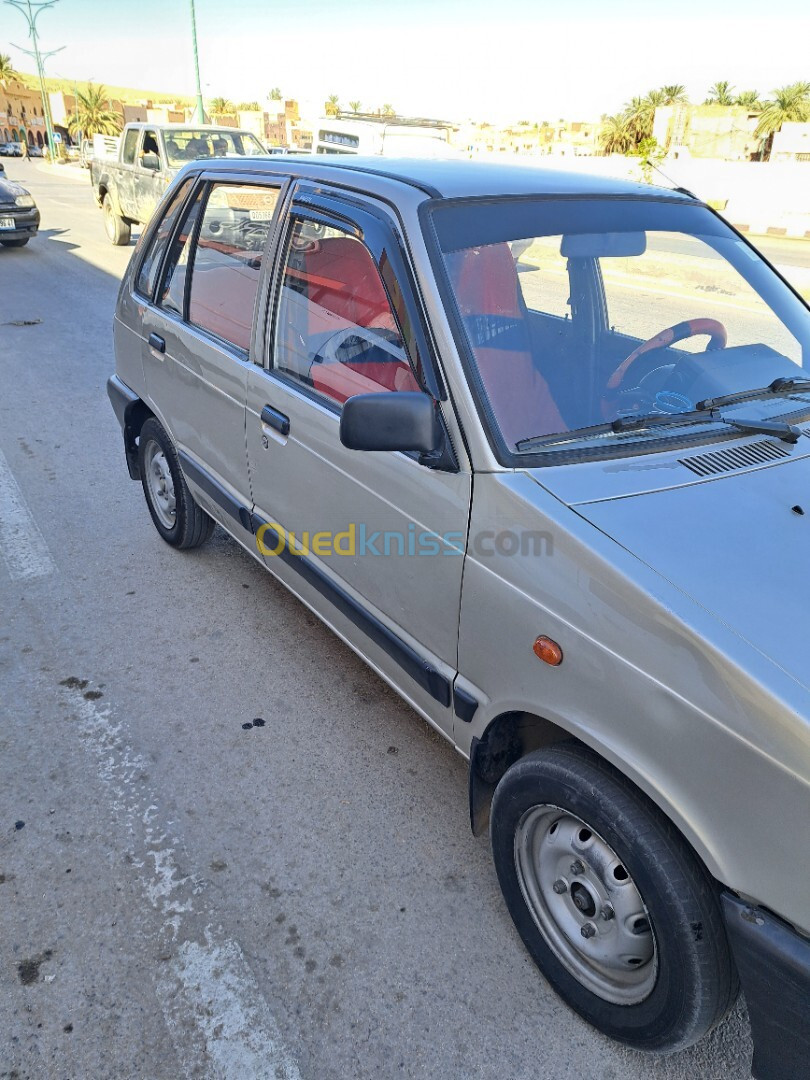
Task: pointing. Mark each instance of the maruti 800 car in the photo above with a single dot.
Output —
(537, 447)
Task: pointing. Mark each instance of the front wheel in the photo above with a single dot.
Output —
(614, 907)
(177, 517)
(117, 230)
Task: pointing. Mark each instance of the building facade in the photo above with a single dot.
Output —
(22, 117)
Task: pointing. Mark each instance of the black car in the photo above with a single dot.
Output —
(19, 217)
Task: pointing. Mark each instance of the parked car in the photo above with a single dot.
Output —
(129, 187)
(571, 538)
(35, 151)
(10, 149)
(19, 216)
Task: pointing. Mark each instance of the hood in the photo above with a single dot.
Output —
(9, 190)
(739, 545)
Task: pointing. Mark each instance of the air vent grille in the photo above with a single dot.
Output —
(739, 457)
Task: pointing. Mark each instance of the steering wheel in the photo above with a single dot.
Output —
(718, 336)
(330, 350)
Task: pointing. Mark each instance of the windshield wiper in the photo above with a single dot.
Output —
(778, 386)
(651, 420)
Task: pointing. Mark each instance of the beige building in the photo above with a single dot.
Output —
(22, 117)
(566, 138)
(708, 131)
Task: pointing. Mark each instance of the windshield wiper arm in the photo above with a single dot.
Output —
(761, 427)
(650, 420)
(778, 386)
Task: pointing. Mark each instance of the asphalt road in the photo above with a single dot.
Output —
(182, 896)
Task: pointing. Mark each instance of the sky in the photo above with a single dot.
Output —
(497, 61)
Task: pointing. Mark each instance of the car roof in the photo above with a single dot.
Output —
(455, 178)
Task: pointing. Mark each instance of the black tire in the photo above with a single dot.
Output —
(191, 525)
(117, 230)
(16, 243)
(691, 981)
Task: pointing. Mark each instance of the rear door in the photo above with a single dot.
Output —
(374, 541)
(197, 334)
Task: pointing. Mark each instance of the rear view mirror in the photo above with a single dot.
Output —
(150, 161)
(391, 421)
(607, 245)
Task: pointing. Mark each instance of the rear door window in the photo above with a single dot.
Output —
(228, 260)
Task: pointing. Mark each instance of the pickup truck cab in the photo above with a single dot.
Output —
(149, 156)
(557, 495)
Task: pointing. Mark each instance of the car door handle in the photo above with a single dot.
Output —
(157, 342)
(275, 419)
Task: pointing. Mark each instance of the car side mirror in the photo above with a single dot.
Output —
(391, 421)
(150, 161)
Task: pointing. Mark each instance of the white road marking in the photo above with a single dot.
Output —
(225, 1003)
(22, 545)
(207, 987)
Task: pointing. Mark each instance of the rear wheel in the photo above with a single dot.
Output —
(177, 517)
(16, 243)
(117, 230)
(612, 904)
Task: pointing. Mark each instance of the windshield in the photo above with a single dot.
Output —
(193, 144)
(576, 312)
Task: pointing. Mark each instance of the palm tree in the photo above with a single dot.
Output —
(640, 112)
(789, 103)
(749, 99)
(275, 94)
(389, 110)
(675, 95)
(617, 134)
(7, 70)
(720, 94)
(221, 105)
(250, 106)
(94, 114)
(355, 106)
(333, 105)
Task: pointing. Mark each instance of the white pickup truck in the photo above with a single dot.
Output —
(129, 175)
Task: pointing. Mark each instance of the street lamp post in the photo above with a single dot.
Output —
(31, 10)
(200, 115)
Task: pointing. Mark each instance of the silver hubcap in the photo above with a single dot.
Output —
(160, 484)
(585, 905)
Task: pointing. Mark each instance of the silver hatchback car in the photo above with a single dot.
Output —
(532, 444)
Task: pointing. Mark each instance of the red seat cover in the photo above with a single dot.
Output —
(341, 276)
(486, 284)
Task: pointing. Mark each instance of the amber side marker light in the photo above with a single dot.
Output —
(548, 651)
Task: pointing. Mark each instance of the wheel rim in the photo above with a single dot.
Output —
(160, 484)
(586, 905)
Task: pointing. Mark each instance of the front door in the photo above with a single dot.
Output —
(374, 540)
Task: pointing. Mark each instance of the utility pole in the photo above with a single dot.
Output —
(31, 10)
(200, 114)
